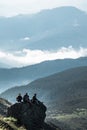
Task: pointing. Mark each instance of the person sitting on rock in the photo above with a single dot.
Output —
(19, 98)
(34, 99)
(26, 98)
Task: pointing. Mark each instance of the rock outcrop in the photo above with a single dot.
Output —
(32, 116)
(4, 104)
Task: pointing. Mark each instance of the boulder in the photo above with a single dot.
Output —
(32, 116)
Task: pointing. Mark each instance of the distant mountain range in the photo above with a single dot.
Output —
(19, 76)
(64, 91)
(49, 29)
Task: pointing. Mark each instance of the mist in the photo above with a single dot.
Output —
(27, 57)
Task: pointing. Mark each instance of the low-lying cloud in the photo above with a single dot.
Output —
(29, 57)
(25, 39)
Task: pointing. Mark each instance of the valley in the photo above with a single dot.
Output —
(65, 95)
(60, 84)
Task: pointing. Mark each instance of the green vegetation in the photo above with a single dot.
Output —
(9, 123)
(70, 121)
(79, 113)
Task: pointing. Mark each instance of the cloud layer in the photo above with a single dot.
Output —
(15, 7)
(29, 57)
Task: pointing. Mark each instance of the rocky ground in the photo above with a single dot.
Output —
(24, 116)
(39, 117)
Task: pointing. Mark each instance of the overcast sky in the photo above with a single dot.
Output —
(15, 7)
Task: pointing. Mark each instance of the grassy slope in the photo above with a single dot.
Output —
(70, 121)
(9, 123)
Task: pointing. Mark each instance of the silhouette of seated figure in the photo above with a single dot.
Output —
(26, 98)
(19, 98)
(34, 99)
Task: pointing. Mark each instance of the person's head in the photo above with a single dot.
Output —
(35, 94)
(27, 94)
(19, 94)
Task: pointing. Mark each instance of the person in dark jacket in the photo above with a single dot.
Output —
(19, 98)
(26, 98)
(34, 99)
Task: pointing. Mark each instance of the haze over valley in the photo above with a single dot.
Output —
(24, 75)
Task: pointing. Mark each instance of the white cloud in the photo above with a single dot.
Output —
(29, 57)
(14, 7)
(25, 39)
(76, 24)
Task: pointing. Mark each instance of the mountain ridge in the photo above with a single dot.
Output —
(46, 30)
(58, 89)
(17, 76)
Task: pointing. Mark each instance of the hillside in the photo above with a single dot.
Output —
(46, 30)
(18, 76)
(65, 95)
(8, 122)
(4, 104)
(64, 89)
